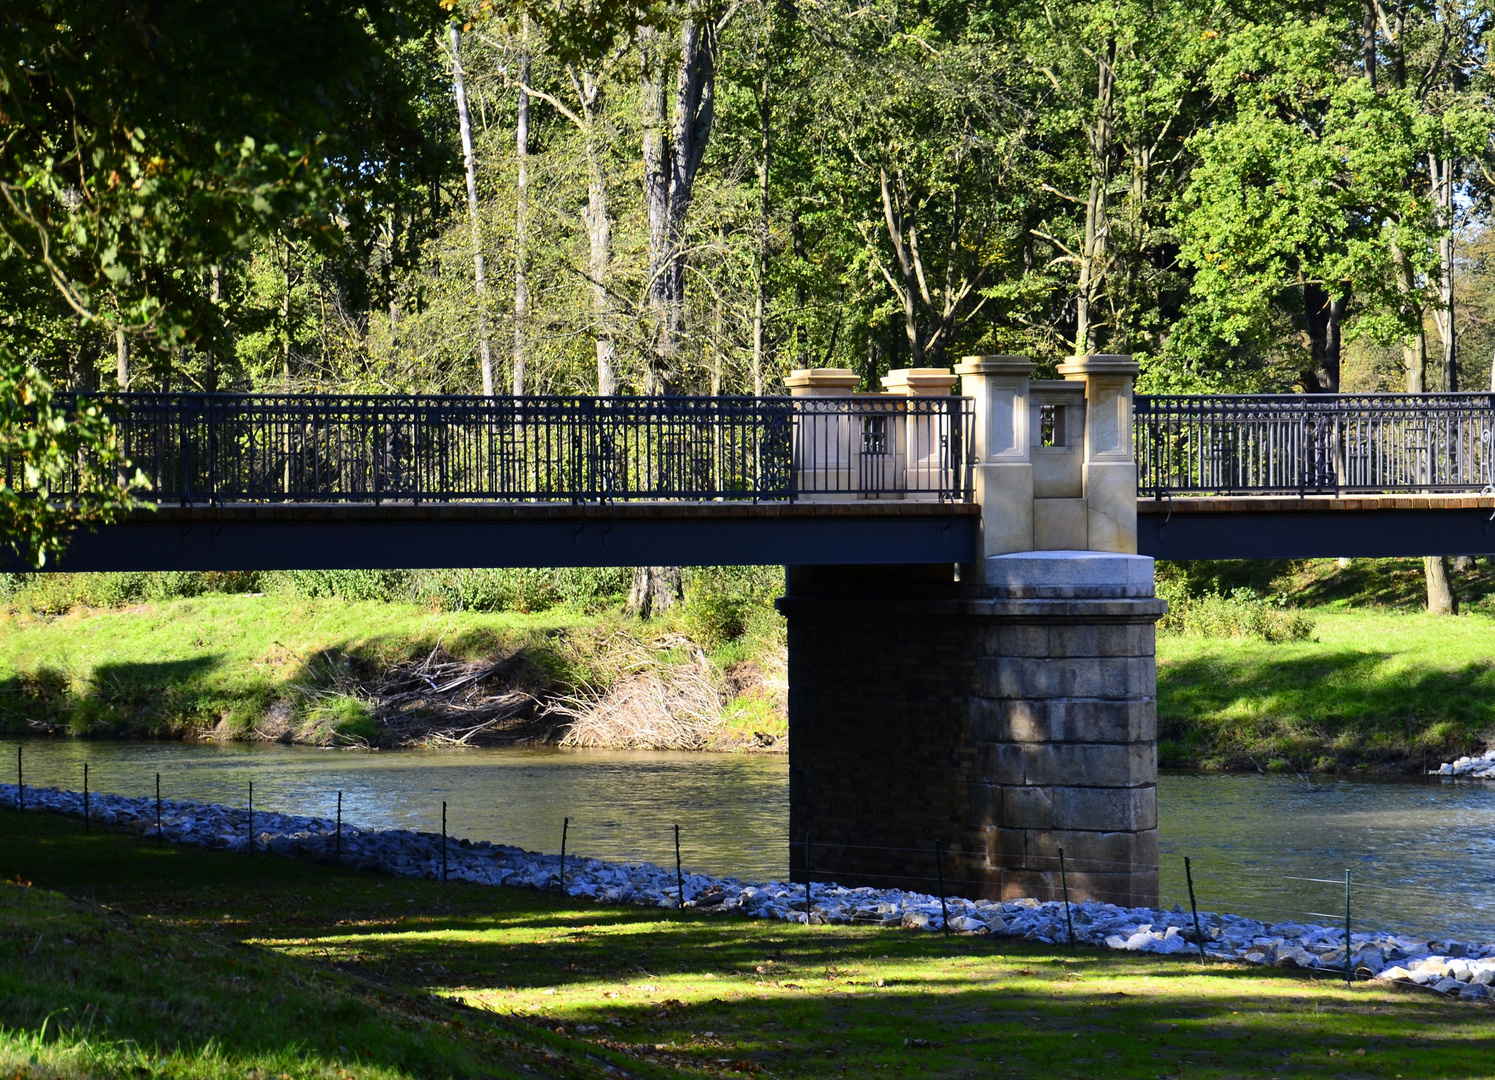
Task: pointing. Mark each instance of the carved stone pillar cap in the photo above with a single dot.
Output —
(994, 365)
(822, 381)
(919, 381)
(1077, 367)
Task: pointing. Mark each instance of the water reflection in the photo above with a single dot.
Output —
(1422, 853)
(733, 810)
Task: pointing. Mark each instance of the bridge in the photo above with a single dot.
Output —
(969, 599)
(825, 477)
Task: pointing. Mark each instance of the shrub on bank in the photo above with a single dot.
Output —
(523, 590)
(1239, 614)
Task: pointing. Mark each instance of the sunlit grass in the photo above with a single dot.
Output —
(1373, 687)
(690, 994)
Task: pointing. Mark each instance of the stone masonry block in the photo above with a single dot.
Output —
(1093, 677)
(1006, 847)
(1100, 720)
(986, 806)
(1085, 765)
(1010, 639)
(1107, 641)
(1005, 764)
(1027, 808)
(1010, 720)
(1093, 852)
(1105, 809)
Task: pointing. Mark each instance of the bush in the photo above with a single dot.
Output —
(723, 603)
(1240, 614)
(57, 594)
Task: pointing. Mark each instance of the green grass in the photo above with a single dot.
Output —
(1374, 689)
(178, 666)
(653, 993)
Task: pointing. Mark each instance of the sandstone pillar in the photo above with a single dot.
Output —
(1110, 461)
(1002, 456)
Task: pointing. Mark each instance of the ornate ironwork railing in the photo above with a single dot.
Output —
(201, 448)
(1307, 443)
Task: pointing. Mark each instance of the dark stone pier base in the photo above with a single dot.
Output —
(1005, 721)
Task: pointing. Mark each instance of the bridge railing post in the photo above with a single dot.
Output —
(926, 433)
(825, 447)
(1110, 450)
(1002, 476)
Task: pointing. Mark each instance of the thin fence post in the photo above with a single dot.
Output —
(337, 851)
(251, 817)
(1064, 884)
(939, 870)
(158, 808)
(679, 877)
(807, 879)
(86, 826)
(20, 784)
(565, 827)
(1189, 874)
(1348, 970)
(443, 841)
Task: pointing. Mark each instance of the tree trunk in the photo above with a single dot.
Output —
(671, 160)
(657, 172)
(1441, 172)
(1324, 314)
(521, 214)
(122, 358)
(598, 220)
(1093, 253)
(1441, 598)
(464, 122)
(655, 590)
(765, 130)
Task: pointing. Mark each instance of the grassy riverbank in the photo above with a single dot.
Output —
(348, 974)
(342, 670)
(1312, 667)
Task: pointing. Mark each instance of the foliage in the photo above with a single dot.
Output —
(44, 444)
(1240, 613)
(723, 603)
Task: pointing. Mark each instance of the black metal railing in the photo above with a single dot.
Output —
(236, 448)
(1308, 443)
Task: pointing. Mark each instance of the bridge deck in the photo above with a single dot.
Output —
(1315, 526)
(392, 535)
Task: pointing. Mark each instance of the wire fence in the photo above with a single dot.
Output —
(1324, 911)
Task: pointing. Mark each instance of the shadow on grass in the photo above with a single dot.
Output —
(119, 697)
(1323, 709)
(703, 995)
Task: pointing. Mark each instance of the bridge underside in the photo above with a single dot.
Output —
(1315, 526)
(432, 536)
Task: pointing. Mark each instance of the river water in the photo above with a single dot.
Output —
(1421, 853)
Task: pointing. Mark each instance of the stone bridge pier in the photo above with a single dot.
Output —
(976, 721)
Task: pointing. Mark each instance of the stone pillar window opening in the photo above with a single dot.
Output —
(1051, 425)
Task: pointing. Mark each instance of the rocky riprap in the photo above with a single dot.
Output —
(1480, 768)
(1449, 967)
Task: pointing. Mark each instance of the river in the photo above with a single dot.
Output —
(1421, 853)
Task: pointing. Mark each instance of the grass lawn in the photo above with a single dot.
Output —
(340, 969)
(1374, 687)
